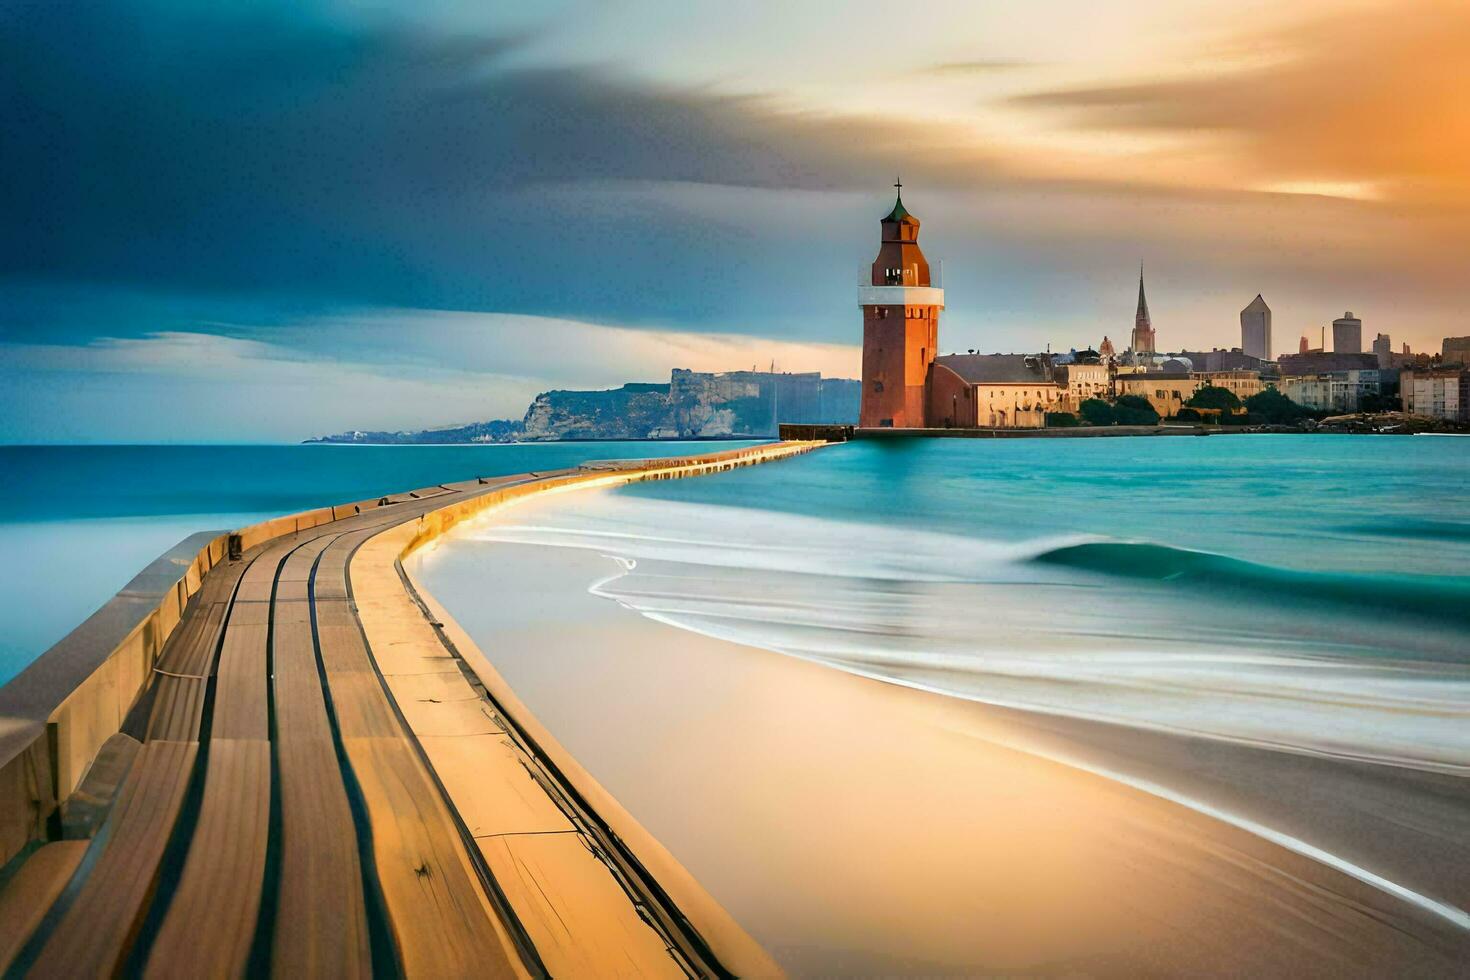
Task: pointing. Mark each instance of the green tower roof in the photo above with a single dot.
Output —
(899, 212)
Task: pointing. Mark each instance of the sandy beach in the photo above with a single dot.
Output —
(857, 827)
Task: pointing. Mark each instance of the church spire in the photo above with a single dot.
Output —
(1143, 327)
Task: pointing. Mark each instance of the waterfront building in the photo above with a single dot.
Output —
(1218, 359)
(1255, 329)
(1322, 362)
(901, 310)
(1456, 350)
(1383, 350)
(1332, 391)
(1143, 325)
(1003, 391)
(1075, 356)
(1347, 334)
(1242, 384)
(1150, 361)
(1082, 380)
(731, 402)
(1166, 391)
(1441, 392)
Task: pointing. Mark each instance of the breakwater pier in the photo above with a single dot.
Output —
(274, 752)
(844, 433)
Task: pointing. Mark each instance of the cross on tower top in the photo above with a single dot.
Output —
(899, 212)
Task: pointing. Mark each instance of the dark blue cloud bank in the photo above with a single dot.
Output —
(228, 151)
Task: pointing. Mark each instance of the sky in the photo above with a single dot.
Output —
(259, 220)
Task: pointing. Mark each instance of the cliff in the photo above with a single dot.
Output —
(692, 405)
(629, 412)
(496, 430)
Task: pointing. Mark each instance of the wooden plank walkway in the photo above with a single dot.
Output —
(439, 914)
(299, 803)
(32, 891)
(252, 856)
(321, 924)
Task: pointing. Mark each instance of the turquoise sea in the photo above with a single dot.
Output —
(77, 522)
(1236, 586)
(1270, 632)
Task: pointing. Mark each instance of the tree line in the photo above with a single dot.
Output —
(1209, 403)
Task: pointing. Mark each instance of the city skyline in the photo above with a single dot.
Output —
(320, 204)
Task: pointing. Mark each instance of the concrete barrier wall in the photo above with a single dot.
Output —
(56, 714)
(1077, 432)
(820, 433)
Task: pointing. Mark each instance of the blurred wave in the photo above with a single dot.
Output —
(1132, 633)
(1433, 597)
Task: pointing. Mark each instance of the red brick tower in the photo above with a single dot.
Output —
(900, 326)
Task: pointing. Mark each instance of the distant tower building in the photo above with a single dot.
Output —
(1304, 345)
(900, 326)
(1105, 349)
(1143, 327)
(1383, 348)
(1347, 334)
(1255, 329)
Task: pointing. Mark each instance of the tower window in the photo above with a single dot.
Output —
(877, 386)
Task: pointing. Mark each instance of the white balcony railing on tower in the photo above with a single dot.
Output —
(905, 276)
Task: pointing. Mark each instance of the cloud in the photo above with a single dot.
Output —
(1371, 100)
(290, 151)
(979, 66)
(244, 148)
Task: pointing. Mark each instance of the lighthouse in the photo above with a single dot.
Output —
(900, 325)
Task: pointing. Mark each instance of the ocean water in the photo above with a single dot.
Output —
(1270, 631)
(77, 522)
(1306, 593)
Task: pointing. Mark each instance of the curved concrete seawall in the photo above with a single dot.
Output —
(56, 714)
(159, 749)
